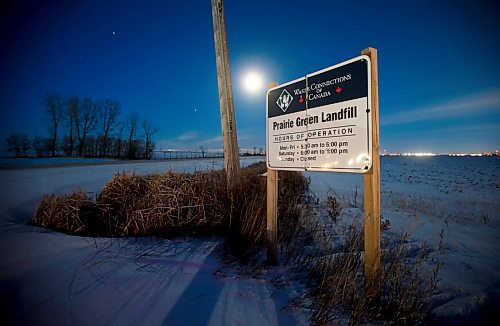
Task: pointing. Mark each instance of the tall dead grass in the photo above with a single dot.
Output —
(336, 282)
(73, 213)
(170, 204)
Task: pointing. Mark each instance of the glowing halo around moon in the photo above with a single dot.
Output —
(253, 82)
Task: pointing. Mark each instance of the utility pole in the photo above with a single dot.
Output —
(228, 121)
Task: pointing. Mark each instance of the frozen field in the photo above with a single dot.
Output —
(10, 162)
(52, 278)
(424, 195)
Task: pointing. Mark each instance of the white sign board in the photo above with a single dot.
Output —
(322, 122)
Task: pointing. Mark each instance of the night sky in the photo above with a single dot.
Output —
(439, 74)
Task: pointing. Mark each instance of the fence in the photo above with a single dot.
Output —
(178, 155)
(184, 155)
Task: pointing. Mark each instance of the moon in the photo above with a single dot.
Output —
(253, 82)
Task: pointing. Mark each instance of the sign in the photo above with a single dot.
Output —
(322, 122)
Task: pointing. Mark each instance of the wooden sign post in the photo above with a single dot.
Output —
(372, 191)
(272, 211)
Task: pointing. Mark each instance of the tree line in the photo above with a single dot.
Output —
(84, 127)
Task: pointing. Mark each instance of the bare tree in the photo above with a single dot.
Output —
(108, 121)
(54, 105)
(19, 144)
(71, 116)
(203, 150)
(119, 141)
(149, 131)
(91, 146)
(41, 146)
(85, 122)
(132, 122)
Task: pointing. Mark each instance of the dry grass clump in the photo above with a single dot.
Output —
(250, 209)
(336, 281)
(337, 285)
(172, 204)
(333, 206)
(134, 205)
(74, 213)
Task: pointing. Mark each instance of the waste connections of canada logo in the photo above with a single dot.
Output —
(284, 100)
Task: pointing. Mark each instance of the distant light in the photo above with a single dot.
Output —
(419, 154)
(253, 82)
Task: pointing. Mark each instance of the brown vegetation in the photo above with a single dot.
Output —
(328, 254)
(336, 286)
(172, 204)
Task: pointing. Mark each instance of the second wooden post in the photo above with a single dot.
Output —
(272, 216)
(272, 212)
(372, 192)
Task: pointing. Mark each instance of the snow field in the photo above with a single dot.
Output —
(48, 277)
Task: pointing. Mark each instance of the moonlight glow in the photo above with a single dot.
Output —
(252, 82)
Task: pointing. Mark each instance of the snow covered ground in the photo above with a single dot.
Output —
(52, 278)
(11, 162)
(424, 195)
